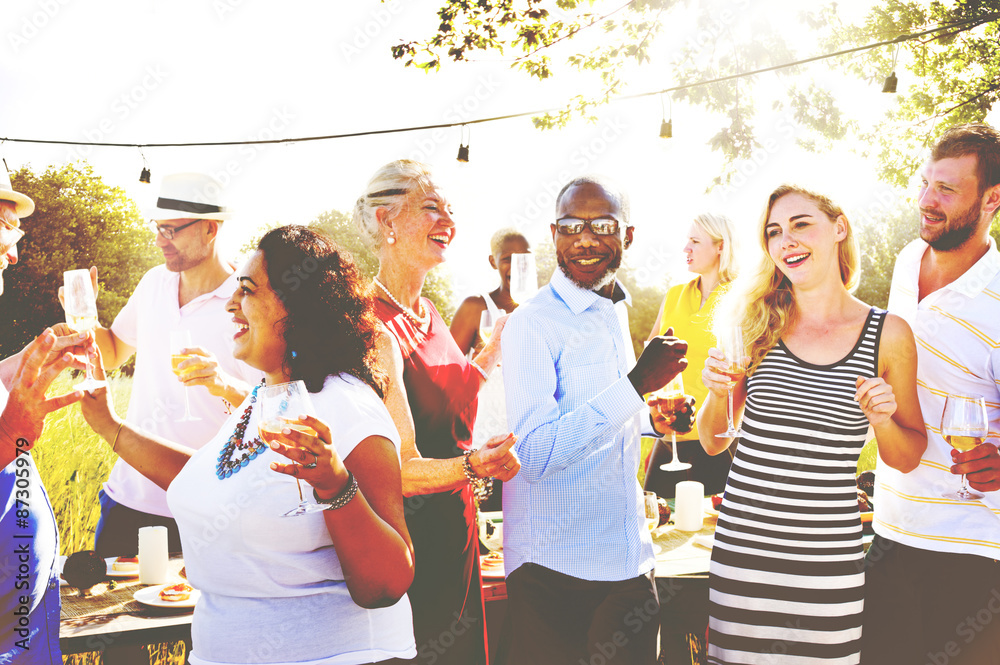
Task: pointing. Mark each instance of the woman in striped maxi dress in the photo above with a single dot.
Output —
(787, 575)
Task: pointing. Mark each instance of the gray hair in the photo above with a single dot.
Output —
(616, 193)
(388, 189)
(721, 229)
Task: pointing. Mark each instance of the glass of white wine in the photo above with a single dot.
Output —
(731, 345)
(487, 321)
(652, 510)
(964, 425)
(80, 303)
(523, 277)
(670, 398)
(180, 340)
(281, 405)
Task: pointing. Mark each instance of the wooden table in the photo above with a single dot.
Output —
(112, 622)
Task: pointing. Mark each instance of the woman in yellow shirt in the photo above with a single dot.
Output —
(687, 308)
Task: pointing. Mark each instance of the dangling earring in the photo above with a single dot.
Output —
(392, 238)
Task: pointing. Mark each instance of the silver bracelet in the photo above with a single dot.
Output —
(482, 487)
(341, 499)
(482, 371)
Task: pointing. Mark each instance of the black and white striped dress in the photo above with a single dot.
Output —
(787, 576)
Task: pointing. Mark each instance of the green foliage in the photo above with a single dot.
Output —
(881, 240)
(958, 70)
(78, 222)
(338, 226)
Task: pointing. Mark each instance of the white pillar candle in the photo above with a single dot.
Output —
(690, 499)
(153, 555)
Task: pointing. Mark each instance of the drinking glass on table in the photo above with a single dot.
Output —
(652, 510)
(180, 340)
(80, 303)
(280, 407)
(670, 398)
(731, 345)
(523, 277)
(964, 425)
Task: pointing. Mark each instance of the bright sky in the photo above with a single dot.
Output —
(148, 71)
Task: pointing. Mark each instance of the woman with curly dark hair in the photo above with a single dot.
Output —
(328, 586)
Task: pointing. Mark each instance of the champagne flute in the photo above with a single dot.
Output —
(671, 398)
(523, 277)
(652, 510)
(964, 425)
(180, 340)
(280, 407)
(487, 321)
(81, 314)
(731, 345)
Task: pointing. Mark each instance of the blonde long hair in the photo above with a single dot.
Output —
(721, 229)
(761, 300)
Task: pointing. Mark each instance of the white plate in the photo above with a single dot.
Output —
(150, 595)
(491, 571)
(119, 573)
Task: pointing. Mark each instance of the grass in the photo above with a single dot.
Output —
(73, 462)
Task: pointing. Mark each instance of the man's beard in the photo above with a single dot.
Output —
(957, 232)
(599, 282)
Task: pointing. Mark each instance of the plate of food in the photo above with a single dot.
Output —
(181, 595)
(122, 566)
(492, 565)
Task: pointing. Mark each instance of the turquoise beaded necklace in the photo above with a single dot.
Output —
(227, 465)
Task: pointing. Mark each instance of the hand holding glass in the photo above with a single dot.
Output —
(81, 313)
(731, 345)
(180, 340)
(280, 407)
(670, 398)
(652, 510)
(964, 425)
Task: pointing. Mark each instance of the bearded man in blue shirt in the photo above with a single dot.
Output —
(578, 558)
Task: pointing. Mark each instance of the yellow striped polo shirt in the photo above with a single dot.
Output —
(957, 331)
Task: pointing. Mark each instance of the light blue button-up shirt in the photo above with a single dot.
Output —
(576, 506)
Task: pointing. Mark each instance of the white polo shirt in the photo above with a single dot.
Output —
(957, 330)
(157, 401)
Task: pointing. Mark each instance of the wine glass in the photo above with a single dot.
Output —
(81, 314)
(964, 425)
(280, 407)
(487, 321)
(180, 340)
(652, 510)
(523, 277)
(731, 345)
(670, 398)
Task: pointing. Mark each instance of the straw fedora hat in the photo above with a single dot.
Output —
(23, 205)
(190, 196)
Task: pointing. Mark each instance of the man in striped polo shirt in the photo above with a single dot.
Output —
(932, 571)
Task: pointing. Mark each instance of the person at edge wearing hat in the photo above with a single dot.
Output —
(29, 585)
(187, 293)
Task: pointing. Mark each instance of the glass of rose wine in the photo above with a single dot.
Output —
(964, 425)
(80, 303)
(731, 345)
(281, 405)
(652, 510)
(180, 340)
(670, 398)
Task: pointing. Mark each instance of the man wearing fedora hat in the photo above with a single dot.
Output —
(29, 587)
(187, 293)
